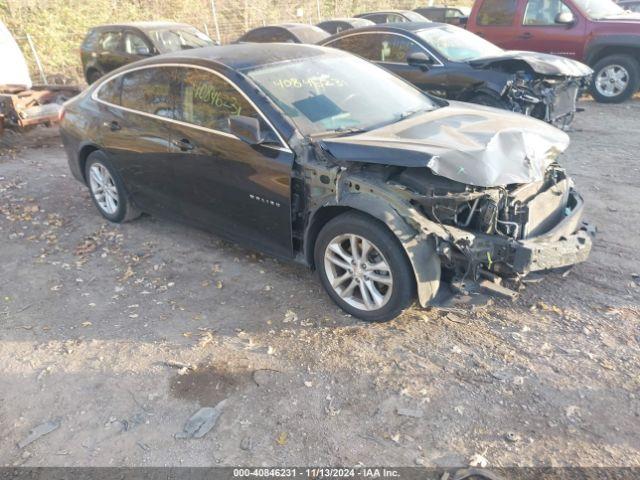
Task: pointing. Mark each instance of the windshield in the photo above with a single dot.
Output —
(338, 93)
(597, 9)
(457, 44)
(175, 39)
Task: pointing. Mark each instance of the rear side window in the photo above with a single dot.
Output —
(110, 41)
(208, 101)
(110, 91)
(497, 13)
(151, 90)
(267, 35)
(91, 40)
(435, 15)
(364, 45)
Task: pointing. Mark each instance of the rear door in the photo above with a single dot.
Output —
(223, 183)
(496, 21)
(136, 132)
(539, 32)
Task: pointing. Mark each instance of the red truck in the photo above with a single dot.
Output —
(596, 32)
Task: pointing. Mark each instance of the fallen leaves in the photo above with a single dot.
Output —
(282, 439)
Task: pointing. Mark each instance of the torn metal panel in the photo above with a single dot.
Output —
(472, 145)
(541, 63)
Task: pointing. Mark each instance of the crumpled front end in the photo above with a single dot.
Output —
(478, 189)
(552, 99)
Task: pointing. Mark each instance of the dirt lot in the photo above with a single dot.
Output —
(121, 333)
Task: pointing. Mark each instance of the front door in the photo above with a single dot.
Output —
(223, 183)
(392, 52)
(539, 31)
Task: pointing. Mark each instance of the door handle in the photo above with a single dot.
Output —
(184, 144)
(113, 126)
(525, 36)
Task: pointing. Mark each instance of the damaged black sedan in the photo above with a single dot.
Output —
(389, 193)
(456, 64)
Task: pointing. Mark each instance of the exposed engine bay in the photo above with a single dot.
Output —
(545, 98)
(542, 86)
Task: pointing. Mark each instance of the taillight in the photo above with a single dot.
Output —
(61, 113)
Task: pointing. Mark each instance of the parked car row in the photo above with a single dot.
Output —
(353, 156)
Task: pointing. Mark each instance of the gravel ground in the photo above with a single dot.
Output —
(112, 336)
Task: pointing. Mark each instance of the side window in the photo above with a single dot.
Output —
(151, 90)
(453, 13)
(110, 41)
(543, 12)
(91, 39)
(135, 45)
(377, 18)
(436, 15)
(497, 12)
(208, 101)
(364, 45)
(280, 36)
(110, 91)
(394, 48)
(395, 18)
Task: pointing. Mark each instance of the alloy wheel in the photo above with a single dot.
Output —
(358, 272)
(612, 80)
(103, 188)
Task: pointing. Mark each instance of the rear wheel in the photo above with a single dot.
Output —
(93, 76)
(107, 189)
(615, 78)
(363, 267)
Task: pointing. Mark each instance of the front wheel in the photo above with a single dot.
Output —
(615, 79)
(363, 267)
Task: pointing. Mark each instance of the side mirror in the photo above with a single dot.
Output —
(565, 18)
(246, 129)
(420, 59)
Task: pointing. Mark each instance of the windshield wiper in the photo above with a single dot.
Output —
(346, 130)
(410, 113)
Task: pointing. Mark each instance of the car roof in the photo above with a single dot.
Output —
(150, 25)
(240, 56)
(384, 11)
(401, 27)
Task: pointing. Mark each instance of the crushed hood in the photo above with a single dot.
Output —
(476, 145)
(541, 63)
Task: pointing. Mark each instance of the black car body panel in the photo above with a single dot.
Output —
(427, 176)
(285, 33)
(540, 85)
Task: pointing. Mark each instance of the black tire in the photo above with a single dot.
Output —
(404, 286)
(93, 76)
(627, 62)
(489, 100)
(126, 210)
